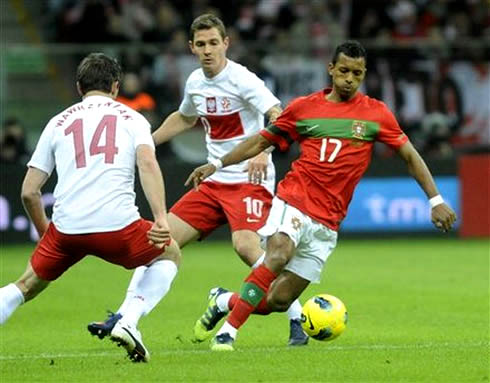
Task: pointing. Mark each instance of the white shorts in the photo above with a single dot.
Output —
(314, 241)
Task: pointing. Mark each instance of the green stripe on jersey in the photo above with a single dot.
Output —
(338, 127)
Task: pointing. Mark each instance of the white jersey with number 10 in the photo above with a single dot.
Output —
(231, 108)
(93, 145)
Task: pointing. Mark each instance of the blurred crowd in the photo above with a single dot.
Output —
(422, 57)
(270, 20)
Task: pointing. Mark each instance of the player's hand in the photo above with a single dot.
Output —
(257, 168)
(200, 174)
(443, 217)
(159, 234)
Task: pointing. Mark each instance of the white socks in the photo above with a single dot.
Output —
(135, 280)
(222, 302)
(10, 298)
(229, 329)
(148, 286)
(259, 261)
(294, 311)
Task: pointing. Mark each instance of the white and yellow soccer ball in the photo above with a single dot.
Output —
(324, 317)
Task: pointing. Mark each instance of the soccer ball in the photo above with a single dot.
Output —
(324, 317)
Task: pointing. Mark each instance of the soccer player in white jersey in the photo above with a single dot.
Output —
(230, 102)
(94, 146)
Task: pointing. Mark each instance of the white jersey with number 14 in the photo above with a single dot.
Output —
(92, 145)
(231, 108)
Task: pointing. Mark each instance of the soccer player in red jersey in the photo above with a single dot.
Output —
(94, 146)
(336, 129)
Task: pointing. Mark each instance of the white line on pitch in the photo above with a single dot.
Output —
(255, 349)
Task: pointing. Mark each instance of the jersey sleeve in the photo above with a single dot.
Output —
(43, 156)
(254, 91)
(283, 132)
(143, 133)
(390, 132)
(187, 107)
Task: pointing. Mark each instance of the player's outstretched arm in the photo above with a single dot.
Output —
(31, 198)
(257, 166)
(153, 186)
(173, 125)
(443, 217)
(247, 149)
(273, 113)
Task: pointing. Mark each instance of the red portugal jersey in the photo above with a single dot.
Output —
(336, 142)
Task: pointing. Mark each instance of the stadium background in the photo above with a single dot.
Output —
(428, 60)
(418, 307)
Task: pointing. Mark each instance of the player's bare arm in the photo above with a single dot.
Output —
(443, 217)
(152, 183)
(257, 167)
(173, 125)
(31, 198)
(273, 113)
(247, 149)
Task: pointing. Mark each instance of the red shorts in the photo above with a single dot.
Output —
(243, 206)
(56, 252)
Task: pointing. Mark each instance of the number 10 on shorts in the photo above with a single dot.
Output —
(253, 206)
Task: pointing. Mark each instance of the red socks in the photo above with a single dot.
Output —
(261, 309)
(252, 296)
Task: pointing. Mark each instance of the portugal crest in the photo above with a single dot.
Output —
(359, 129)
(296, 223)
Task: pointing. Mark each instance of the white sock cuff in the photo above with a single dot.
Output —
(170, 267)
(294, 311)
(222, 302)
(227, 327)
(15, 293)
(259, 261)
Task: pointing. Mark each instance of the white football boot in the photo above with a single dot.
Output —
(130, 338)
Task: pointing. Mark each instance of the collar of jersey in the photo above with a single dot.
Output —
(220, 74)
(95, 97)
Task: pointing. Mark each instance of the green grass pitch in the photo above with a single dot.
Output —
(418, 312)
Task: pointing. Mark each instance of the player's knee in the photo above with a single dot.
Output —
(279, 251)
(247, 252)
(280, 245)
(172, 253)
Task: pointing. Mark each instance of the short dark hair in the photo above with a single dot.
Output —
(98, 71)
(207, 21)
(349, 48)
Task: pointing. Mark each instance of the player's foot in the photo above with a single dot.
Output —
(130, 338)
(208, 321)
(297, 336)
(103, 329)
(222, 342)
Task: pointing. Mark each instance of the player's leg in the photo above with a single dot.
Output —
(152, 287)
(182, 233)
(129, 247)
(28, 286)
(286, 288)
(280, 249)
(247, 245)
(49, 261)
(193, 215)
